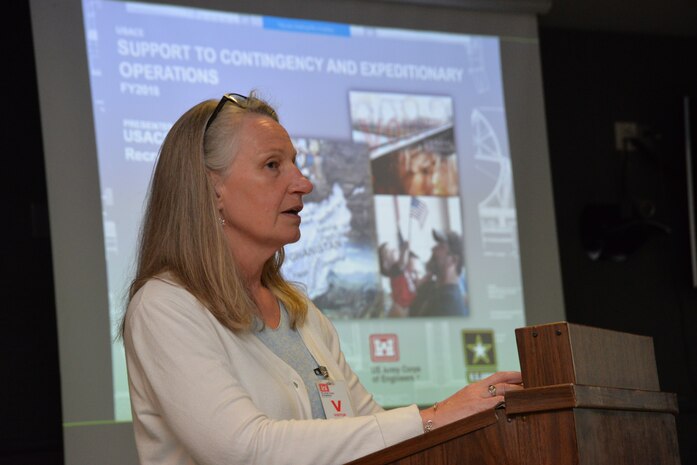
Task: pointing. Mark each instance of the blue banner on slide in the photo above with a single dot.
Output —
(309, 27)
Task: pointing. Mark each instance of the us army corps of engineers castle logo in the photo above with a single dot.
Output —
(384, 348)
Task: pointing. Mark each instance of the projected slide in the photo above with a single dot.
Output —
(403, 134)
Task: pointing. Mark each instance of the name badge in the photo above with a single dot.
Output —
(335, 399)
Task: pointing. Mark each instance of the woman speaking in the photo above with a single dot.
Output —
(228, 363)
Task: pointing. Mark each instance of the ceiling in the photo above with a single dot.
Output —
(665, 17)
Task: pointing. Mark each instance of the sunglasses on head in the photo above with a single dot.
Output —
(236, 99)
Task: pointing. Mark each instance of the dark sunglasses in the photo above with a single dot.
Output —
(236, 99)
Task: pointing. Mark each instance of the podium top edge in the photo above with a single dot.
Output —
(577, 325)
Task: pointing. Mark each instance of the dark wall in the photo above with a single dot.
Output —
(30, 430)
(620, 268)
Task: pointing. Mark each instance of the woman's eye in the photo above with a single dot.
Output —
(272, 164)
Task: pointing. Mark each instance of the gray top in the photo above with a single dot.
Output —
(288, 345)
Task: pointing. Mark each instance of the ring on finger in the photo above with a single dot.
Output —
(492, 390)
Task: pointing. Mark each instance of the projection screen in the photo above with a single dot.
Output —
(416, 126)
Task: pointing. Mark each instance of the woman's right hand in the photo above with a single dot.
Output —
(477, 397)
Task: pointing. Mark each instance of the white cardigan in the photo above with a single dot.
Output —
(201, 394)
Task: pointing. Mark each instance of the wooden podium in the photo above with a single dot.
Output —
(591, 397)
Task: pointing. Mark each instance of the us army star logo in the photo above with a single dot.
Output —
(480, 353)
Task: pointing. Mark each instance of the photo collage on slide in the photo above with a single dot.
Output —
(382, 228)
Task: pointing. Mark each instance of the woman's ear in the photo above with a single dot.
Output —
(218, 187)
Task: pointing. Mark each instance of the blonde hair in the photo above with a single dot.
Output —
(181, 233)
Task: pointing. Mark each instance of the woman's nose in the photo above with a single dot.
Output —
(301, 184)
